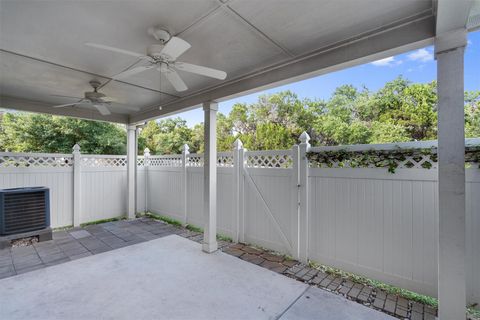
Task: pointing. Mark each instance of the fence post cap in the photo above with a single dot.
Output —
(238, 144)
(146, 152)
(304, 137)
(185, 148)
(76, 148)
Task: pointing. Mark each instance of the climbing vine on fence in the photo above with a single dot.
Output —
(390, 159)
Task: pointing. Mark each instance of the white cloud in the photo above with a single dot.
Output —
(387, 62)
(469, 42)
(422, 55)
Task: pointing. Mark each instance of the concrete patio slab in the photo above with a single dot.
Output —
(80, 234)
(167, 278)
(319, 304)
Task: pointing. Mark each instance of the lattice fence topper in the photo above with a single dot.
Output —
(140, 161)
(269, 159)
(225, 159)
(390, 159)
(97, 161)
(165, 161)
(194, 160)
(8, 160)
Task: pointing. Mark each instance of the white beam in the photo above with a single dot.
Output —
(452, 15)
(8, 102)
(131, 171)
(398, 39)
(451, 175)
(210, 177)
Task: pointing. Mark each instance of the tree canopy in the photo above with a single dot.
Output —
(28, 132)
(399, 111)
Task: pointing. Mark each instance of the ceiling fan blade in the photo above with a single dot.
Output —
(175, 80)
(132, 71)
(122, 106)
(118, 50)
(204, 71)
(175, 47)
(102, 109)
(60, 96)
(65, 105)
(81, 101)
(108, 99)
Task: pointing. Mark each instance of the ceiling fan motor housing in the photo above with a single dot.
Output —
(160, 33)
(155, 50)
(95, 96)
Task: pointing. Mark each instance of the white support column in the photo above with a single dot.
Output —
(77, 185)
(303, 197)
(146, 164)
(449, 50)
(295, 221)
(238, 163)
(131, 171)
(185, 152)
(210, 177)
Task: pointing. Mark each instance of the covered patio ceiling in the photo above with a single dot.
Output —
(258, 43)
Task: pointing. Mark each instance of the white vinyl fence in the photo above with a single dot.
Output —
(362, 219)
(101, 181)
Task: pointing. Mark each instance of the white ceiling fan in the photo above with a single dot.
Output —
(97, 99)
(163, 57)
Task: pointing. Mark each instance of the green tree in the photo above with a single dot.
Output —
(399, 111)
(416, 111)
(166, 136)
(28, 132)
(472, 114)
(384, 132)
(269, 136)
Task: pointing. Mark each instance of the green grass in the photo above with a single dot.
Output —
(101, 221)
(377, 284)
(224, 238)
(193, 228)
(63, 228)
(163, 218)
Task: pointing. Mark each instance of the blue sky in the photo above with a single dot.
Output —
(417, 66)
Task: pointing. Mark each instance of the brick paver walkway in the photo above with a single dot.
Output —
(81, 242)
(371, 297)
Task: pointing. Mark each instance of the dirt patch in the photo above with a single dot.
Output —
(24, 242)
